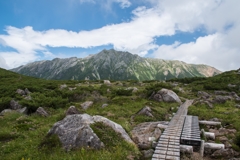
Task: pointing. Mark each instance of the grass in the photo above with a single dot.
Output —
(24, 137)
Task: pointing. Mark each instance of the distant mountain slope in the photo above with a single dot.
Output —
(115, 65)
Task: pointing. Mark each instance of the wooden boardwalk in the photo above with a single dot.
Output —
(168, 146)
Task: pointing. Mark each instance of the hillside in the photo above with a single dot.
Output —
(24, 136)
(114, 65)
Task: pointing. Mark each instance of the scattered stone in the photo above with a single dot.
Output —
(145, 111)
(166, 96)
(86, 104)
(27, 92)
(142, 132)
(6, 111)
(238, 99)
(63, 86)
(237, 106)
(72, 88)
(104, 105)
(223, 139)
(41, 111)
(203, 94)
(231, 85)
(107, 82)
(74, 132)
(28, 97)
(221, 92)
(14, 105)
(214, 119)
(116, 127)
(224, 153)
(147, 153)
(72, 110)
(134, 89)
(21, 92)
(22, 110)
(221, 99)
(210, 105)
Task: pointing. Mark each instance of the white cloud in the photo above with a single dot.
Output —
(3, 63)
(220, 48)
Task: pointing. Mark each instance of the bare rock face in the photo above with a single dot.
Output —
(116, 127)
(145, 133)
(42, 112)
(14, 105)
(74, 132)
(166, 96)
(72, 110)
(86, 104)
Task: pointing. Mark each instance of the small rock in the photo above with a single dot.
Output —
(86, 104)
(221, 99)
(104, 105)
(72, 110)
(22, 110)
(147, 153)
(202, 93)
(28, 97)
(214, 119)
(224, 153)
(231, 85)
(21, 92)
(237, 106)
(27, 91)
(63, 86)
(6, 111)
(41, 112)
(210, 105)
(107, 82)
(145, 111)
(223, 139)
(142, 132)
(14, 105)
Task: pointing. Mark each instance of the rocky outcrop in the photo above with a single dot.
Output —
(20, 92)
(86, 104)
(166, 96)
(146, 133)
(72, 110)
(40, 111)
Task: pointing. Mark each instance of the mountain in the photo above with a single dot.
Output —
(114, 65)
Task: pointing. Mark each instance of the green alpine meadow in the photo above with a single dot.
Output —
(30, 133)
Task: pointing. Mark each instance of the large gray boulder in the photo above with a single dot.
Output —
(166, 96)
(116, 127)
(144, 134)
(14, 105)
(221, 99)
(74, 132)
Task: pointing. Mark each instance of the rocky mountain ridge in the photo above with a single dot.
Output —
(114, 65)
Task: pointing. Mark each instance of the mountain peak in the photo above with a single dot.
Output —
(115, 65)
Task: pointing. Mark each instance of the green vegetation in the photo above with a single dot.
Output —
(24, 136)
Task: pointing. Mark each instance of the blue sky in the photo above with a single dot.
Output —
(199, 32)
